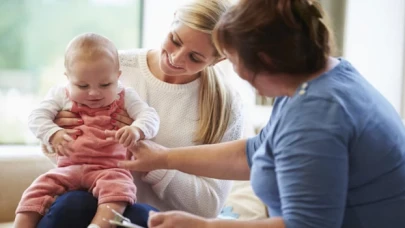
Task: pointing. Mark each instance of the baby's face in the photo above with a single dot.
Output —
(93, 83)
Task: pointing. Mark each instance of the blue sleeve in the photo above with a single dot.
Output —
(253, 143)
(310, 149)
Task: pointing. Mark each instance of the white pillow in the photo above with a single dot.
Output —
(243, 204)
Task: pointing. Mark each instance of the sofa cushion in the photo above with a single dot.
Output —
(20, 165)
(243, 204)
(6, 225)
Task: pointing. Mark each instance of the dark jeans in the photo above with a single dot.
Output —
(77, 209)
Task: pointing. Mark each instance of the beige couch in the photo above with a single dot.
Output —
(21, 165)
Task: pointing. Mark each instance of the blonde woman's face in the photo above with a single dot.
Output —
(186, 51)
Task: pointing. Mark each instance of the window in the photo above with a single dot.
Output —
(33, 37)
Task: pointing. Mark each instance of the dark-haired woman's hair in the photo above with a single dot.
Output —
(291, 34)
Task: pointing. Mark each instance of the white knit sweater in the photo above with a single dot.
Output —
(177, 106)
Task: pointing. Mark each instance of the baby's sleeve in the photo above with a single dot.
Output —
(40, 121)
(145, 117)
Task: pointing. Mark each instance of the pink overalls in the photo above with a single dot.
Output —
(92, 165)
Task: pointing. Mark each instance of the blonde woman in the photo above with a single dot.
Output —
(180, 81)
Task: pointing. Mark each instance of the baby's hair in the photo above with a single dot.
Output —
(90, 47)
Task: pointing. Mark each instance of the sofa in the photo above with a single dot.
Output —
(22, 164)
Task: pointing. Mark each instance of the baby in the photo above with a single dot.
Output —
(94, 93)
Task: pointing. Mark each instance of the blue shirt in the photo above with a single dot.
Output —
(332, 155)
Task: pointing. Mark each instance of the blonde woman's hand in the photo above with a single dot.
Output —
(121, 119)
(175, 219)
(62, 141)
(66, 119)
(147, 156)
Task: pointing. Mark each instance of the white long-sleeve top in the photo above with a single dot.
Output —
(40, 121)
(177, 106)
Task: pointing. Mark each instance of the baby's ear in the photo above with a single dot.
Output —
(119, 73)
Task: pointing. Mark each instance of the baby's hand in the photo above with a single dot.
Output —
(62, 141)
(128, 135)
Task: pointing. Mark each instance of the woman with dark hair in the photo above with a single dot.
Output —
(333, 151)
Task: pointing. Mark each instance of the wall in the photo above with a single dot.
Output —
(335, 11)
(374, 43)
(158, 16)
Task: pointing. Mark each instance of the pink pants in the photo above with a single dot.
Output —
(107, 184)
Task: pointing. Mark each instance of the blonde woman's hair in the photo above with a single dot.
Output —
(214, 98)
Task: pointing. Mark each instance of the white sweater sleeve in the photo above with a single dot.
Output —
(40, 121)
(166, 183)
(146, 117)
